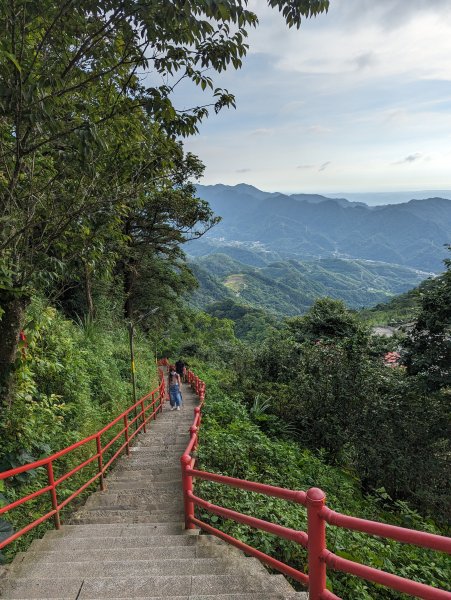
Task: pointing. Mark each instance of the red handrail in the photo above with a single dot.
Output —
(319, 558)
(158, 396)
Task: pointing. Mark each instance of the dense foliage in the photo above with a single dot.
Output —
(325, 375)
(72, 379)
(93, 182)
(429, 345)
(245, 442)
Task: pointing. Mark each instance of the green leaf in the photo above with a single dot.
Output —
(13, 59)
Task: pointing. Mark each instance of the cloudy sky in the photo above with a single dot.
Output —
(358, 99)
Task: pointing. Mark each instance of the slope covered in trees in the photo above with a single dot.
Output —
(290, 287)
(315, 404)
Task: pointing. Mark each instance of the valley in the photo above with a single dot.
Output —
(279, 253)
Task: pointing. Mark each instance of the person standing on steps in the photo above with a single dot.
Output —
(175, 388)
(180, 368)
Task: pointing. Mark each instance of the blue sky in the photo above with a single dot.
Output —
(358, 99)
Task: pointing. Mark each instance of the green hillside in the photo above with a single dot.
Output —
(289, 287)
(400, 309)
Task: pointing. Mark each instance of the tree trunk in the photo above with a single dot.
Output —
(11, 324)
(128, 286)
(88, 291)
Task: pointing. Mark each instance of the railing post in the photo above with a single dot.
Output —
(51, 478)
(143, 416)
(154, 402)
(193, 432)
(127, 446)
(100, 461)
(187, 484)
(316, 499)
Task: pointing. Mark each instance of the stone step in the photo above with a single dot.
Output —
(159, 441)
(126, 496)
(131, 514)
(151, 460)
(143, 477)
(161, 477)
(114, 530)
(151, 503)
(163, 445)
(84, 588)
(151, 487)
(128, 568)
(155, 542)
(164, 461)
(149, 454)
(78, 555)
(165, 435)
(162, 503)
(156, 451)
(147, 468)
(158, 517)
(125, 548)
(257, 596)
(108, 519)
(167, 426)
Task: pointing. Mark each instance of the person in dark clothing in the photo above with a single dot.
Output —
(180, 368)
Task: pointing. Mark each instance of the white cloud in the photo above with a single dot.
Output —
(261, 131)
(419, 47)
(351, 86)
(318, 129)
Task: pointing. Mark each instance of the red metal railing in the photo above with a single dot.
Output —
(153, 401)
(319, 557)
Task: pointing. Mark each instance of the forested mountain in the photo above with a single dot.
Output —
(308, 226)
(290, 287)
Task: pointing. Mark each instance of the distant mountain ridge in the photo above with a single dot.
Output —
(311, 226)
(378, 198)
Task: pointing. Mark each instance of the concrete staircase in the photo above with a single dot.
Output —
(129, 541)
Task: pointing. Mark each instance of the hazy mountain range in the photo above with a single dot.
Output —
(280, 252)
(378, 198)
(309, 226)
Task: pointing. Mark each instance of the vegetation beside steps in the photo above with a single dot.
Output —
(233, 443)
(73, 377)
(129, 541)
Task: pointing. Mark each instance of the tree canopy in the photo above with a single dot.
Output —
(91, 172)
